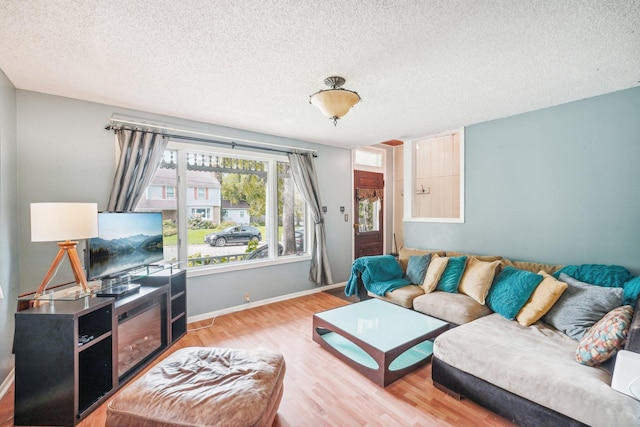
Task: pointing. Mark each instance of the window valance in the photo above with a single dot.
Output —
(370, 194)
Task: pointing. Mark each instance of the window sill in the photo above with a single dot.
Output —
(244, 265)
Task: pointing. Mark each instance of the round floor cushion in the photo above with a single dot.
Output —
(203, 386)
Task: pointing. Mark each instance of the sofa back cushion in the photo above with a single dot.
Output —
(533, 267)
(487, 258)
(405, 253)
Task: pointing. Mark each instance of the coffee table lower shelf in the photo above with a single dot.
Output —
(364, 363)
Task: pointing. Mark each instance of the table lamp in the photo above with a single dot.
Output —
(64, 222)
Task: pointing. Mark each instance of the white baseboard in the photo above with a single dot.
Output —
(251, 304)
(6, 384)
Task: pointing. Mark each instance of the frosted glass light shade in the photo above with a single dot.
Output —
(54, 222)
(335, 103)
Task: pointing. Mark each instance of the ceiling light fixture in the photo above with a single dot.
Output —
(335, 102)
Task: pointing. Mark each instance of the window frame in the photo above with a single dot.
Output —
(409, 179)
(271, 216)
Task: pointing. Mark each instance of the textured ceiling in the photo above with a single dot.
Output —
(421, 67)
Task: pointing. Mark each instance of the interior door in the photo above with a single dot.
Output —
(368, 228)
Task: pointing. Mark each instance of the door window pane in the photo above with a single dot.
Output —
(368, 215)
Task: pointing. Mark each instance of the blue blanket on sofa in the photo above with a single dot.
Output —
(379, 273)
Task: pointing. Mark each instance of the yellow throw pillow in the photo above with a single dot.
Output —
(434, 271)
(477, 278)
(543, 298)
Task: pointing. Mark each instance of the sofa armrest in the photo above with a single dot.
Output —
(633, 338)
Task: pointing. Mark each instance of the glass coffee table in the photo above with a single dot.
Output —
(381, 340)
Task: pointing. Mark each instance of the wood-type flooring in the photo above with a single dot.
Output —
(319, 390)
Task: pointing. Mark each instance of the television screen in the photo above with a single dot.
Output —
(126, 240)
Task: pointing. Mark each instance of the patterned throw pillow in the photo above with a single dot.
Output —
(606, 337)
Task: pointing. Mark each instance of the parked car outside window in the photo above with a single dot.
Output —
(234, 234)
(263, 252)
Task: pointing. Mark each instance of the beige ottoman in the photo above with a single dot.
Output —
(203, 386)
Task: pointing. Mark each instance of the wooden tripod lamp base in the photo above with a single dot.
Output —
(69, 248)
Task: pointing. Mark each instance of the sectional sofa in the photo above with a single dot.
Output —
(533, 342)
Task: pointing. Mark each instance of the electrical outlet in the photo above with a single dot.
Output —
(247, 298)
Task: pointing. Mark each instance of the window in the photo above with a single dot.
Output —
(368, 215)
(437, 178)
(228, 206)
(205, 213)
(170, 192)
(369, 158)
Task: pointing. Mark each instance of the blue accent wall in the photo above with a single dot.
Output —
(559, 185)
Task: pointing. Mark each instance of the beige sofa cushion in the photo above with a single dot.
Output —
(405, 253)
(453, 308)
(487, 258)
(402, 296)
(537, 363)
(533, 267)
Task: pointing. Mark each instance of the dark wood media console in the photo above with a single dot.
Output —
(73, 355)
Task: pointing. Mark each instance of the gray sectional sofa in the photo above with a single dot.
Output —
(527, 374)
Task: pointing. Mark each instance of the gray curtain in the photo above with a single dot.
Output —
(304, 175)
(140, 155)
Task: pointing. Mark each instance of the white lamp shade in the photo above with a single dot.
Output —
(54, 222)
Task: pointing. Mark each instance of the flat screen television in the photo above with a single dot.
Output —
(126, 240)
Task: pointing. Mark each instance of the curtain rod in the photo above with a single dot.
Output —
(230, 141)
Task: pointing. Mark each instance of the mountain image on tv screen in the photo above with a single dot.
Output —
(126, 240)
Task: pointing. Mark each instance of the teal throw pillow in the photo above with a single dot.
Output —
(417, 268)
(511, 290)
(451, 275)
(609, 276)
(632, 291)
